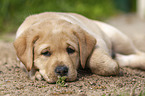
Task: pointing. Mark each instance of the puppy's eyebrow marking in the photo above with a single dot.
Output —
(72, 44)
(43, 46)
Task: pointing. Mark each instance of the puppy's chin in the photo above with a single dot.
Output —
(52, 81)
(70, 77)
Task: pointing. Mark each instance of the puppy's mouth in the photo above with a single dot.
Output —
(57, 79)
(60, 73)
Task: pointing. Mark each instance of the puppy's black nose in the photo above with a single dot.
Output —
(61, 70)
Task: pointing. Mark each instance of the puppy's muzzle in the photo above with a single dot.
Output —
(61, 70)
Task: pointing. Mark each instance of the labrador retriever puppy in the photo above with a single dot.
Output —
(54, 44)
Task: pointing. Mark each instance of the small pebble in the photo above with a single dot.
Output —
(1, 72)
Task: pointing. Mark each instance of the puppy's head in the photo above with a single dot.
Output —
(55, 47)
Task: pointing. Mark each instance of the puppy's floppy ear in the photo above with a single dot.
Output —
(86, 44)
(24, 48)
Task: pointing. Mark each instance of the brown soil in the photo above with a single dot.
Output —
(14, 82)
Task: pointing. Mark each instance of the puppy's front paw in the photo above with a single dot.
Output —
(38, 76)
(34, 75)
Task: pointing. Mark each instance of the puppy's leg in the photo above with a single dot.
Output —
(136, 60)
(127, 55)
(131, 57)
(101, 63)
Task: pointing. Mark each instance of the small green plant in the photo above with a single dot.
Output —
(61, 81)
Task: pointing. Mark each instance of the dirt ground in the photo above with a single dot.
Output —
(130, 82)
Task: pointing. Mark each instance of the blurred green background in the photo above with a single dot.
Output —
(13, 12)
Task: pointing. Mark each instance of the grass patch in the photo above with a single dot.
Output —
(61, 81)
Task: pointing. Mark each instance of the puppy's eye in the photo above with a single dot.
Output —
(70, 50)
(45, 53)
